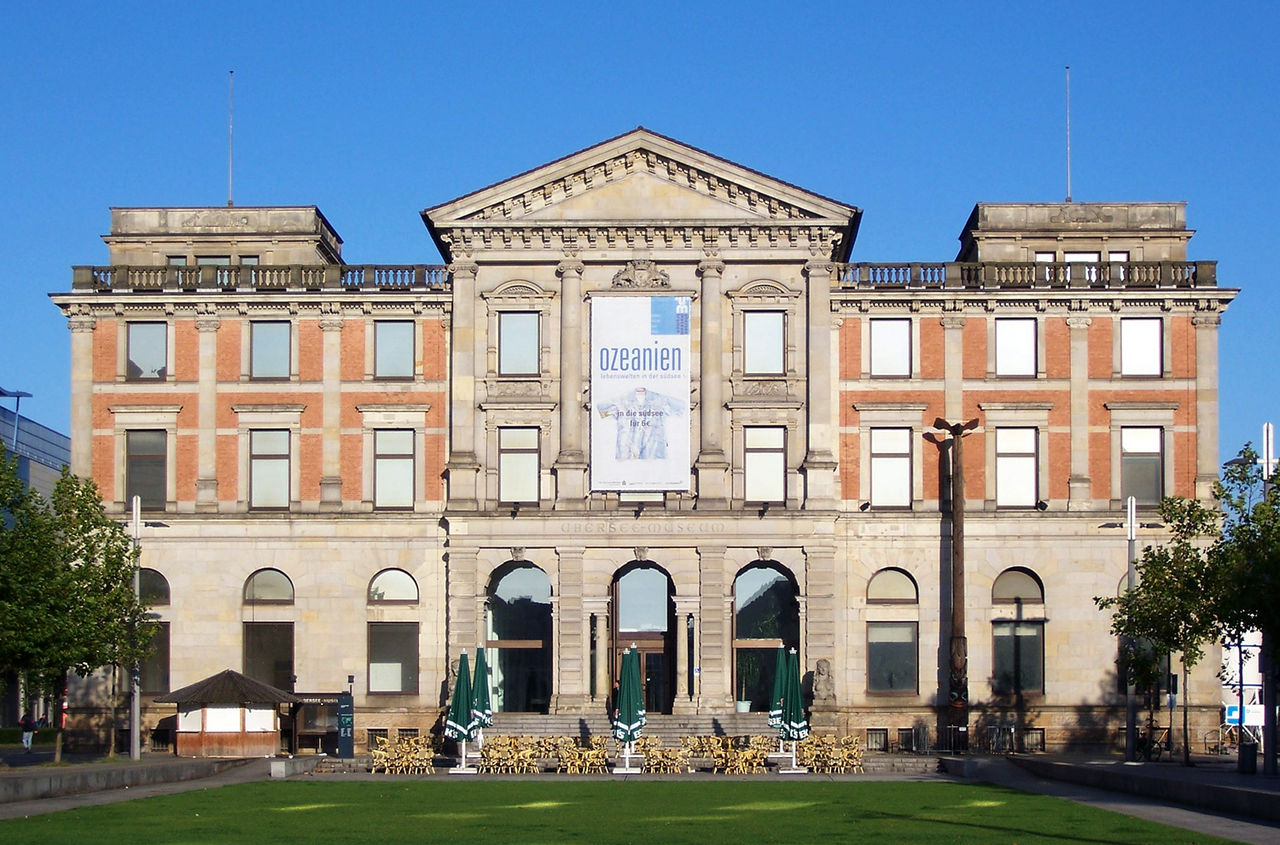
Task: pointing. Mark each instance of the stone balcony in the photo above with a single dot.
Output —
(1030, 275)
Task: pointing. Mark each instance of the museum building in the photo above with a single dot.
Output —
(649, 400)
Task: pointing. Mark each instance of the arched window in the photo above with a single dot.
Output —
(268, 586)
(519, 632)
(153, 588)
(893, 649)
(766, 619)
(392, 585)
(892, 586)
(1017, 585)
(643, 595)
(1017, 650)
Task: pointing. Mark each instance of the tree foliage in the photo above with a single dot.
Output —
(67, 601)
(1250, 547)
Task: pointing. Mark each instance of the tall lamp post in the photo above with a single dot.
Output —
(135, 672)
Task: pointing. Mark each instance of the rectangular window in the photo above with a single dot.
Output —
(518, 343)
(1016, 347)
(222, 262)
(393, 657)
(268, 653)
(1017, 657)
(148, 352)
(176, 260)
(1141, 346)
(891, 657)
(1118, 259)
(1142, 464)
(393, 349)
(153, 671)
(891, 348)
(891, 467)
(1088, 259)
(518, 479)
(765, 463)
(1016, 477)
(269, 354)
(763, 351)
(269, 468)
(144, 468)
(1046, 258)
(393, 468)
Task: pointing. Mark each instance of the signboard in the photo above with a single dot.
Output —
(640, 376)
(346, 726)
(1254, 714)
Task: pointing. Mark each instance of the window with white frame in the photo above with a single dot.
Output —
(764, 463)
(147, 352)
(1142, 464)
(1015, 346)
(393, 349)
(1017, 657)
(269, 352)
(891, 348)
(1141, 346)
(1016, 465)
(763, 343)
(145, 468)
(518, 465)
(891, 467)
(518, 343)
(393, 468)
(269, 468)
(393, 657)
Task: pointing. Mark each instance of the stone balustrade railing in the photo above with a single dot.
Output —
(1028, 275)
(262, 278)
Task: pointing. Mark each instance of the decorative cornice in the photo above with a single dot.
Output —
(816, 237)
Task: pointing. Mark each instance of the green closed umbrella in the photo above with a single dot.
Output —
(629, 718)
(460, 725)
(779, 688)
(794, 725)
(481, 709)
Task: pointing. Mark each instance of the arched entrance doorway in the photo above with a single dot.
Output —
(518, 627)
(645, 618)
(766, 616)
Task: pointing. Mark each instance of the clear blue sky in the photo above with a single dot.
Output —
(911, 111)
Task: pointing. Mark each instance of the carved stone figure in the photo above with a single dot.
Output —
(824, 683)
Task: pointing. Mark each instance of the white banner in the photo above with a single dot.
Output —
(640, 376)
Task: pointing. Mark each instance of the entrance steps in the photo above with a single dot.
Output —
(670, 729)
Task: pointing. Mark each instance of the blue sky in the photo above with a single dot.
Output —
(911, 111)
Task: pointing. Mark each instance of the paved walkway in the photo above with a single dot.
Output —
(995, 770)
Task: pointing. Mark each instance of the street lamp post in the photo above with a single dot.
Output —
(958, 676)
(135, 705)
(17, 396)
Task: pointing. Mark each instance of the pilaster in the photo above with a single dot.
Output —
(712, 466)
(82, 325)
(1206, 421)
(571, 694)
(1079, 486)
(715, 646)
(331, 405)
(953, 365)
(685, 701)
(819, 463)
(463, 620)
(207, 325)
(462, 468)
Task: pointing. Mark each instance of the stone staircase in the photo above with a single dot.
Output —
(670, 729)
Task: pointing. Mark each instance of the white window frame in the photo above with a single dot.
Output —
(514, 460)
(892, 458)
(165, 372)
(764, 343)
(378, 416)
(380, 674)
(1017, 466)
(514, 348)
(258, 371)
(126, 418)
(390, 460)
(389, 363)
(1017, 347)
(764, 464)
(1135, 445)
(264, 465)
(1141, 347)
(890, 347)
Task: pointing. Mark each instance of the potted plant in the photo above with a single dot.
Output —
(748, 677)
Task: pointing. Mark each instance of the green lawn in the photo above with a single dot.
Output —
(528, 811)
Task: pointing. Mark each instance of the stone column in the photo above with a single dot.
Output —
(715, 643)
(598, 606)
(462, 468)
(1079, 486)
(712, 466)
(82, 324)
(571, 465)
(573, 636)
(1206, 326)
(330, 411)
(207, 324)
(684, 702)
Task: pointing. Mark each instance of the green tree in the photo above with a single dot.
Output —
(1176, 605)
(67, 601)
(1250, 551)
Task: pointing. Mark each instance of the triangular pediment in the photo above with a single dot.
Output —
(639, 178)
